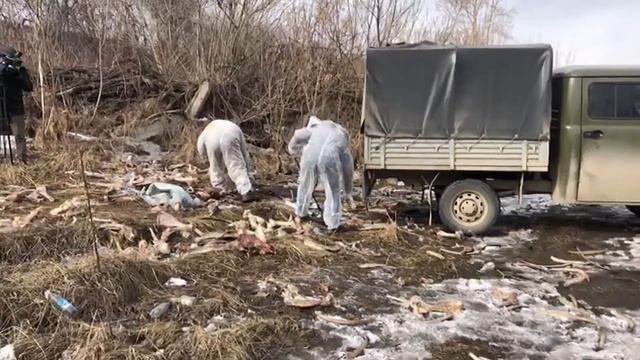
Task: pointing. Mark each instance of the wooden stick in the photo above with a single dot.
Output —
(93, 226)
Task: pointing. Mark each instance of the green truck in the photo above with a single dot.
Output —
(468, 123)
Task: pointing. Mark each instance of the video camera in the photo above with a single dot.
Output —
(11, 58)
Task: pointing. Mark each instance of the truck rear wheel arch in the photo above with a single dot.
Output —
(469, 205)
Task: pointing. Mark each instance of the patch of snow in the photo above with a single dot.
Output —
(531, 332)
(624, 256)
(496, 246)
(531, 204)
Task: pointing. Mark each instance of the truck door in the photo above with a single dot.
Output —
(610, 156)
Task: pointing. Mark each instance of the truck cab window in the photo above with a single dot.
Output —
(609, 101)
(628, 101)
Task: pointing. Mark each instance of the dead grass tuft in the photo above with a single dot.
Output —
(51, 243)
(105, 296)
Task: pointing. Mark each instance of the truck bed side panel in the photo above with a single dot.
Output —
(458, 155)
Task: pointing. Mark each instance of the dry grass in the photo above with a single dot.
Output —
(247, 339)
(105, 296)
(53, 161)
(44, 243)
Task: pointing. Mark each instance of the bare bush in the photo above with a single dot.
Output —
(270, 61)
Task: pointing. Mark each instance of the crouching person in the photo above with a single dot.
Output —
(325, 155)
(229, 161)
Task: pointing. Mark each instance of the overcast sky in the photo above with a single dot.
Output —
(581, 31)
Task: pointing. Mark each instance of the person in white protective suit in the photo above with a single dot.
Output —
(326, 155)
(229, 161)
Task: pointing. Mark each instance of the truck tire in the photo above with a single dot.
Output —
(470, 206)
(635, 209)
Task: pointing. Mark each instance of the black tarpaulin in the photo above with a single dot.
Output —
(426, 91)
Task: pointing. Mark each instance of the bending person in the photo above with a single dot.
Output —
(229, 161)
(326, 155)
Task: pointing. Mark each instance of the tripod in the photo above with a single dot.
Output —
(5, 128)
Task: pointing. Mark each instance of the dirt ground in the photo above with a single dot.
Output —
(551, 281)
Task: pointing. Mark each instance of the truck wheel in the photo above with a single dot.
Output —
(470, 206)
(634, 209)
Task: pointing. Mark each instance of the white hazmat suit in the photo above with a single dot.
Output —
(324, 146)
(229, 162)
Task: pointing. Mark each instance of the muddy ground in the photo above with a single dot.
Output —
(551, 281)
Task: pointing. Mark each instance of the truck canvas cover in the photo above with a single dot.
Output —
(442, 92)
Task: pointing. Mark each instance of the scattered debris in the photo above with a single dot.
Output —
(567, 316)
(248, 241)
(167, 220)
(489, 266)
(568, 262)
(459, 235)
(7, 353)
(125, 231)
(341, 321)
(176, 282)
(587, 252)
(292, 297)
(312, 244)
(69, 207)
(37, 195)
(160, 310)
(435, 255)
(184, 300)
(195, 106)
(476, 357)
(216, 235)
(353, 353)
(61, 304)
(82, 137)
(163, 194)
(419, 307)
(582, 276)
(23, 221)
(373, 266)
(504, 298)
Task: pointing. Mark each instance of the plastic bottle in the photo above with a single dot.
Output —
(160, 310)
(60, 303)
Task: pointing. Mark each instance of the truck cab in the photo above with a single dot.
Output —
(595, 140)
(468, 124)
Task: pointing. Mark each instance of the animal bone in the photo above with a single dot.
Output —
(568, 262)
(457, 235)
(254, 220)
(581, 276)
(372, 266)
(504, 298)
(22, 221)
(435, 254)
(68, 205)
(292, 297)
(167, 220)
(341, 321)
(312, 244)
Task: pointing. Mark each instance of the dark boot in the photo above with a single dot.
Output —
(248, 197)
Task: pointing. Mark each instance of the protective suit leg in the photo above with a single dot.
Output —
(306, 186)
(234, 161)
(329, 165)
(217, 172)
(346, 161)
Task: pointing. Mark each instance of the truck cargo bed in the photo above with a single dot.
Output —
(456, 154)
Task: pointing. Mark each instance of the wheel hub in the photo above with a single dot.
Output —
(469, 207)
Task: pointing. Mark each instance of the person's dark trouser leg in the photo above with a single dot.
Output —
(18, 129)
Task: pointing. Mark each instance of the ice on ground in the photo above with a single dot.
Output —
(542, 328)
(531, 204)
(625, 254)
(537, 204)
(496, 246)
